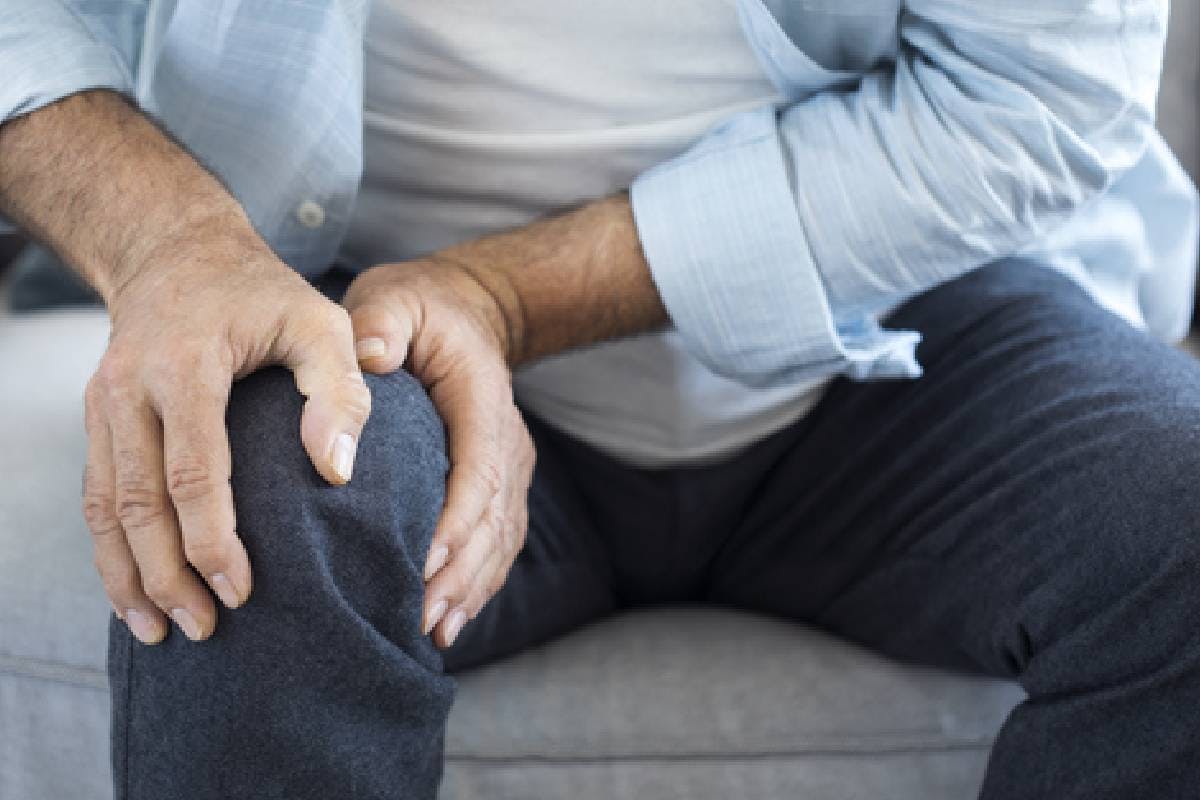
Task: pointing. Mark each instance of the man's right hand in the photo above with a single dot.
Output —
(197, 299)
(186, 323)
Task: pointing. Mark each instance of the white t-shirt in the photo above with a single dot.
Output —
(483, 116)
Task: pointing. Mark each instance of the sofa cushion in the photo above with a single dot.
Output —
(52, 609)
(709, 703)
(669, 703)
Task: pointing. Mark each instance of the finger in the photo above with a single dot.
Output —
(453, 585)
(511, 538)
(483, 587)
(508, 517)
(492, 574)
(148, 518)
(484, 584)
(197, 463)
(318, 347)
(111, 553)
(474, 431)
(382, 333)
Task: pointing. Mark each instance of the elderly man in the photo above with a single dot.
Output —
(843, 311)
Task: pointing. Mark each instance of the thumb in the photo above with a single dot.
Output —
(319, 348)
(382, 332)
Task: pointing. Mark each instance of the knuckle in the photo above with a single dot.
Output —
(170, 362)
(117, 369)
(455, 535)
(314, 319)
(112, 366)
(356, 398)
(99, 506)
(489, 478)
(100, 516)
(460, 586)
(140, 506)
(332, 316)
(190, 479)
(494, 525)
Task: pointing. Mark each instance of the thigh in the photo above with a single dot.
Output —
(1036, 483)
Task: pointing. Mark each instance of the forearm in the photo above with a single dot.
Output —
(566, 281)
(95, 180)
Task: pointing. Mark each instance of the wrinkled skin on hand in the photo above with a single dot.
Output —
(434, 317)
(195, 316)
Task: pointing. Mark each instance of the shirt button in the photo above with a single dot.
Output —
(310, 215)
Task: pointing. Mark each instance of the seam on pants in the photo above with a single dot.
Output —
(127, 702)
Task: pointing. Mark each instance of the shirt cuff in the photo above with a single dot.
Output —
(726, 249)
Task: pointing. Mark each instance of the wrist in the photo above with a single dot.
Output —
(186, 260)
(494, 297)
(196, 237)
(564, 281)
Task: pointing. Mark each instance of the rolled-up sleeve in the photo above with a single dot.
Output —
(47, 52)
(777, 239)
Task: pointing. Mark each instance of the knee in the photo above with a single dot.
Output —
(287, 514)
(403, 442)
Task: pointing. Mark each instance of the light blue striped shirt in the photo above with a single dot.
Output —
(918, 139)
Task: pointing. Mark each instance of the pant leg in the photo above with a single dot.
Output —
(321, 685)
(1027, 509)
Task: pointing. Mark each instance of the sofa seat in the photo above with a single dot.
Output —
(681, 702)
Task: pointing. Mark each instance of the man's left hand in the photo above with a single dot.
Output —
(450, 329)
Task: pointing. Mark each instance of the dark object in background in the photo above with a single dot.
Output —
(38, 280)
(9, 247)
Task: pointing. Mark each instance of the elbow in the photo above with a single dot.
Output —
(1028, 183)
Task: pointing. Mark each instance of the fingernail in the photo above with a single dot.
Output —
(224, 589)
(435, 614)
(342, 458)
(437, 560)
(186, 622)
(370, 348)
(143, 627)
(454, 624)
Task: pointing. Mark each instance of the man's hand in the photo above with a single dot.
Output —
(197, 299)
(449, 328)
(156, 490)
(460, 319)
